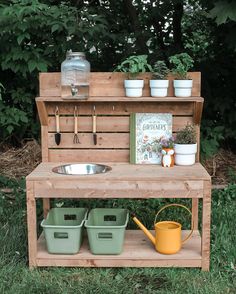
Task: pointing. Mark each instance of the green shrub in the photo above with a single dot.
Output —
(35, 36)
(211, 137)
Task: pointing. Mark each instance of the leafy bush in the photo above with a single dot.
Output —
(34, 37)
(211, 137)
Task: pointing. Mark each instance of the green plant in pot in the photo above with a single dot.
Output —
(186, 145)
(133, 66)
(181, 64)
(159, 83)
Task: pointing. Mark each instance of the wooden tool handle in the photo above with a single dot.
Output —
(76, 124)
(94, 124)
(57, 123)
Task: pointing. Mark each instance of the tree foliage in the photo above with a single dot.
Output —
(36, 34)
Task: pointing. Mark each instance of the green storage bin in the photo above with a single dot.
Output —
(63, 229)
(106, 230)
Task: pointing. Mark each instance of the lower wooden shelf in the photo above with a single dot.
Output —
(138, 252)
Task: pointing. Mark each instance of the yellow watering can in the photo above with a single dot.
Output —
(168, 233)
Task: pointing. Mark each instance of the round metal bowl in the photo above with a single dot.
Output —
(81, 169)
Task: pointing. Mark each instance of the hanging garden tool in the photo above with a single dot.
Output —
(168, 233)
(94, 126)
(58, 134)
(76, 136)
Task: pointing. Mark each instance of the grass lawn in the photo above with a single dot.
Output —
(15, 277)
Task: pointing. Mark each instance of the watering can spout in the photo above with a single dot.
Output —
(145, 230)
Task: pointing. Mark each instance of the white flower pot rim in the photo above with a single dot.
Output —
(183, 83)
(185, 148)
(159, 83)
(139, 83)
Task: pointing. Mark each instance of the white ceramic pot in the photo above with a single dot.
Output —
(134, 88)
(183, 88)
(185, 154)
(159, 88)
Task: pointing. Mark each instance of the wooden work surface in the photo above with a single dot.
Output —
(124, 172)
(123, 181)
(138, 251)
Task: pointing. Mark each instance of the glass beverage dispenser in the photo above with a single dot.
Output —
(75, 76)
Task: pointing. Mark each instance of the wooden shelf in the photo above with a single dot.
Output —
(138, 252)
(120, 99)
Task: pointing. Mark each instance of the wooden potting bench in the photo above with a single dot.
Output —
(125, 180)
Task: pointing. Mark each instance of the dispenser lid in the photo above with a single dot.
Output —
(71, 53)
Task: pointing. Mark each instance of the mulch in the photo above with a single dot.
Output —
(19, 162)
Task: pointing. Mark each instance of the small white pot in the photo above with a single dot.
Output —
(134, 88)
(183, 88)
(159, 88)
(185, 154)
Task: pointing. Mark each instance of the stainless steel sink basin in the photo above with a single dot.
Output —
(81, 169)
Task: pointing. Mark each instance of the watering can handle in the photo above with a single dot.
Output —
(183, 206)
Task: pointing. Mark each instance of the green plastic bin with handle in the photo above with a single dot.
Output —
(106, 230)
(63, 230)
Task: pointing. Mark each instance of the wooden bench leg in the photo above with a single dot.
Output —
(31, 224)
(46, 206)
(206, 223)
(195, 212)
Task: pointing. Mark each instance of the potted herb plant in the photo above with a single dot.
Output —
(159, 84)
(181, 64)
(133, 66)
(185, 146)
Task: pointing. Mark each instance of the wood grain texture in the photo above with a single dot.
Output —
(31, 224)
(44, 143)
(46, 207)
(118, 189)
(126, 172)
(206, 226)
(122, 108)
(88, 155)
(197, 116)
(104, 141)
(137, 252)
(114, 99)
(195, 203)
(109, 84)
(42, 112)
(107, 123)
